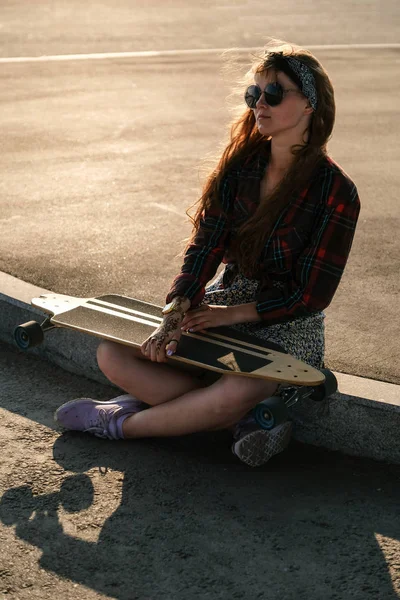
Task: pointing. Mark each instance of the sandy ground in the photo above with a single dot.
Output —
(180, 518)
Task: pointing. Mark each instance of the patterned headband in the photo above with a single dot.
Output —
(303, 74)
(307, 80)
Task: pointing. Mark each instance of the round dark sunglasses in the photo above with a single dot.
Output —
(273, 94)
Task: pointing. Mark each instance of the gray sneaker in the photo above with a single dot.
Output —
(255, 446)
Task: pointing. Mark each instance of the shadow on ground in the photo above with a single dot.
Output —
(192, 523)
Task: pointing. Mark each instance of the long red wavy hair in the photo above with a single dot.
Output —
(246, 141)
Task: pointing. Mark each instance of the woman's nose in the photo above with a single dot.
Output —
(261, 100)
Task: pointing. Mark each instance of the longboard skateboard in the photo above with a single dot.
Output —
(221, 349)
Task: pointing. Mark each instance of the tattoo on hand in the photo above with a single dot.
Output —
(171, 324)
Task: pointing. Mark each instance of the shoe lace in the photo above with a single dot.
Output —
(100, 429)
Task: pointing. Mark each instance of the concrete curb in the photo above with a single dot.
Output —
(73, 351)
(362, 419)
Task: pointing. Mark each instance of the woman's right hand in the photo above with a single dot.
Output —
(164, 339)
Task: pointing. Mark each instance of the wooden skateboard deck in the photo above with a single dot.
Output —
(221, 349)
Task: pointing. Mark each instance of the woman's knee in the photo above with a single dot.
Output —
(110, 357)
(237, 394)
(105, 353)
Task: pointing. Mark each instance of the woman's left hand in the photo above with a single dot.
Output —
(208, 315)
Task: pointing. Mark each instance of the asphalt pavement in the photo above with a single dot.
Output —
(48, 27)
(101, 159)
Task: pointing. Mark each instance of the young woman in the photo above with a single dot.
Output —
(281, 215)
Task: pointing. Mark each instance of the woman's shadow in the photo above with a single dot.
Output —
(194, 522)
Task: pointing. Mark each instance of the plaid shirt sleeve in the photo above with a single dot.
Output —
(205, 254)
(319, 267)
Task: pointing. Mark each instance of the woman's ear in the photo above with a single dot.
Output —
(308, 110)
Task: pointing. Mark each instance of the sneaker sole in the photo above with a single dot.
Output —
(256, 448)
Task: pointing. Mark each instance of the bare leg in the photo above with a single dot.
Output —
(150, 382)
(218, 406)
(180, 402)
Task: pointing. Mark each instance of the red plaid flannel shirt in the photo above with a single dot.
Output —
(305, 255)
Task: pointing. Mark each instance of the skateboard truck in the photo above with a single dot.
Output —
(31, 333)
(274, 410)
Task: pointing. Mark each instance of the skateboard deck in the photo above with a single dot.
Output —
(220, 349)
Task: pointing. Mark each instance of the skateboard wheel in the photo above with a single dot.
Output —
(327, 388)
(28, 334)
(270, 412)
